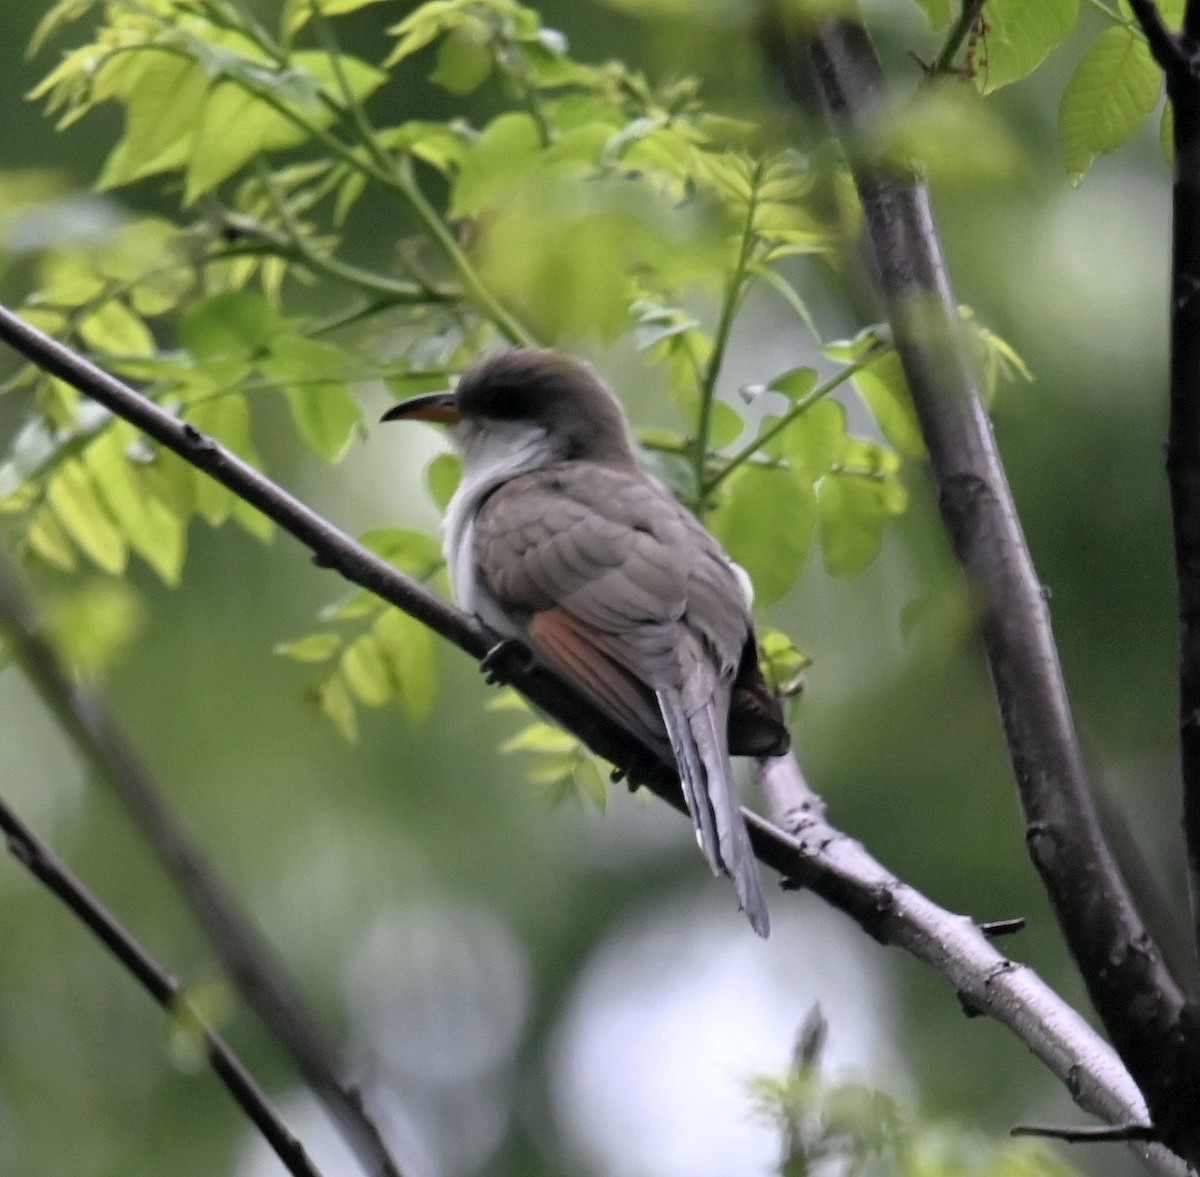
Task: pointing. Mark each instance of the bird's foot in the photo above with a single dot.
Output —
(505, 656)
(634, 770)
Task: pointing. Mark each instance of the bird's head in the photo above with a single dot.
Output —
(529, 400)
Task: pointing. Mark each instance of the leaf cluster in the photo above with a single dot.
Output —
(589, 203)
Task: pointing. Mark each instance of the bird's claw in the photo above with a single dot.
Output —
(507, 652)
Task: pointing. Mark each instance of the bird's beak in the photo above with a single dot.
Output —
(432, 406)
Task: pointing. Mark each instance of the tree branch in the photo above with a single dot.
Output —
(252, 966)
(44, 865)
(819, 857)
(1139, 1002)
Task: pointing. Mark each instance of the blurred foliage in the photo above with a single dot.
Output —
(274, 218)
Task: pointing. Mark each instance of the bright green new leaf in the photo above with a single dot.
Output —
(885, 389)
(464, 58)
(151, 528)
(413, 552)
(816, 439)
(48, 539)
(947, 133)
(366, 671)
(852, 510)
(507, 148)
(335, 700)
(796, 383)
(411, 652)
(234, 323)
(766, 523)
(325, 411)
(260, 111)
(316, 647)
(94, 623)
(115, 329)
(1020, 35)
(74, 498)
(297, 13)
(1110, 95)
(160, 117)
(540, 737)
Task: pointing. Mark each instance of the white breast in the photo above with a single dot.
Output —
(491, 455)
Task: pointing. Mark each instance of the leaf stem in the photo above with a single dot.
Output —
(805, 402)
(729, 305)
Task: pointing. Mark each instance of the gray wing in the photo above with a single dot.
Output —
(620, 590)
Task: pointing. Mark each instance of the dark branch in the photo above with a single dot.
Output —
(1179, 57)
(1102, 1134)
(1163, 43)
(1137, 999)
(251, 964)
(43, 864)
(815, 855)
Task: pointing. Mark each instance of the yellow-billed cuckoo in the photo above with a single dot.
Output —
(557, 538)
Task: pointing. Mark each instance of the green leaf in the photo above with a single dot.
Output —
(796, 383)
(93, 624)
(947, 133)
(442, 476)
(366, 672)
(413, 552)
(325, 411)
(816, 439)
(297, 13)
(115, 329)
(237, 125)
(464, 58)
(590, 781)
(542, 738)
(1021, 33)
(49, 540)
(232, 324)
(315, 647)
(160, 118)
(335, 700)
(507, 148)
(885, 389)
(152, 528)
(73, 495)
(852, 511)
(1110, 95)
(411, 653)
(766, 523)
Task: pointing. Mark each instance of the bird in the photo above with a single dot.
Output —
(558, 539)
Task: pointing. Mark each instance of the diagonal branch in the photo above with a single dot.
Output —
(43, 864)
(1139, 1002)
(828, 865)
(251, 964)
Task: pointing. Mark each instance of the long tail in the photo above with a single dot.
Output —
(700, 746)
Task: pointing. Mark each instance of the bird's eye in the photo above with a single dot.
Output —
(500, 402)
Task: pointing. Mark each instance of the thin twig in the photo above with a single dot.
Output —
(830, 864)
(1139, 1002)
(43, 864)
(252, 966)
(963, 27)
